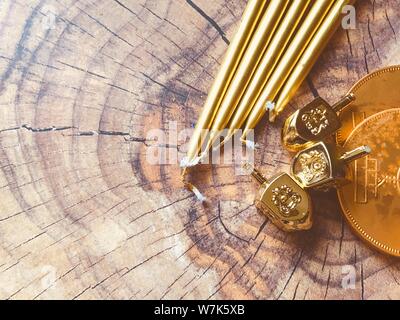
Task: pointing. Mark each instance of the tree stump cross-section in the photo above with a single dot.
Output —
(84, 215)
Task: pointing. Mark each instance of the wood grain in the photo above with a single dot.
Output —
(82, 213)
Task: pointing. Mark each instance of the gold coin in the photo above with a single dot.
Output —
(374, 93)
(371, 202)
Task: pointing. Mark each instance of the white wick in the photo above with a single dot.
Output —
(269, 106)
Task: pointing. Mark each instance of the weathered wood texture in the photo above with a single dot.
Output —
(83, 214)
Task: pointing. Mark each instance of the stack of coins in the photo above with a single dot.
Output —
(371, 201)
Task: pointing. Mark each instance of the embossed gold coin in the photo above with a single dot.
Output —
(371, 202)
(374, 93)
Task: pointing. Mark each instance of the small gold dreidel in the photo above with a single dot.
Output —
(315, 122)
(322, 166)
(283, 201)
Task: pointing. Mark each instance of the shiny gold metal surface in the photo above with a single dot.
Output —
(375, 92)
(371, 202)
(322, 166)
(283, 201)
(317, 15)
(275, 50)
(248, 65)
(310, 55)
(251, 17)
(317, 121)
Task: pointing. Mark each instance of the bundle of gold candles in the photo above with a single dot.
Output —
(275, 47)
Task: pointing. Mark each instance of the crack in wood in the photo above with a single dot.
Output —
(210, 20)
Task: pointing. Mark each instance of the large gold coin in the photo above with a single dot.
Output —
(371, 202)
(375, 92)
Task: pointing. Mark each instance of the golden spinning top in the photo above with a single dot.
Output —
(316, 121)
(283, 201)
(322, 165)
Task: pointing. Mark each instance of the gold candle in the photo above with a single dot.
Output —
(270, 59)
(293, 53)
(248, 65)
(309, 57)
(250, 19)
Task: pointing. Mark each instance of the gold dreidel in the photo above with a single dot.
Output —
(315, 122)
(283, 201)
(322, 165)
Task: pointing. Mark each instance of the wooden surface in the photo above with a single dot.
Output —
(82, 213)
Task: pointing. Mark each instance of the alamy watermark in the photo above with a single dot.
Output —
(49, 17)
(349, 21)
(169, 147)
(349, 277)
